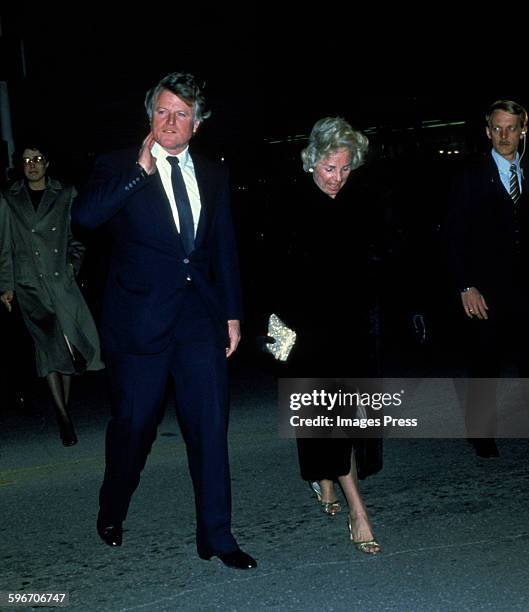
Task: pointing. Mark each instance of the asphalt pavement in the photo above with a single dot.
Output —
(453, 528)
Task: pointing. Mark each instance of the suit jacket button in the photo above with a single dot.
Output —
(186, 261)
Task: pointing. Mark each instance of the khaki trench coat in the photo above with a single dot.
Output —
(39, 259)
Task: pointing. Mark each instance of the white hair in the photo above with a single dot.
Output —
(330, 134)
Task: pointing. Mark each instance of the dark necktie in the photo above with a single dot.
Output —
(514, 188)
(185, 216)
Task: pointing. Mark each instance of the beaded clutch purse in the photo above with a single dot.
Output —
(284, 337)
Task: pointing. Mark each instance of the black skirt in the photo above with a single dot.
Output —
(334, 352)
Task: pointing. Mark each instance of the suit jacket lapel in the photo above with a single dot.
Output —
(163, 214)
(206, 199)
(162, 208)
(496, 179)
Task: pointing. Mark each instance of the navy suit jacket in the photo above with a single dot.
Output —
(487, 236)
(148, 268)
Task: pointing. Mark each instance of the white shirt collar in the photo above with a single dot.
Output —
(160, 153)
(504, 165)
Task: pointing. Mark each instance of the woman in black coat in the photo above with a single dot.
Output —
(323, 296)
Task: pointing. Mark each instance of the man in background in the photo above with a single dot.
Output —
(488, 243)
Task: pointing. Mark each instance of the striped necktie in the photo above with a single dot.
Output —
(514, 188)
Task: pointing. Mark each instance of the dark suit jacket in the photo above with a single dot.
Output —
(148, 267)
(487, 240)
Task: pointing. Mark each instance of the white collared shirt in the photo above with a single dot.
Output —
(188, 174)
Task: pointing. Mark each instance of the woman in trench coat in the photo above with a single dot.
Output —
(39, 259)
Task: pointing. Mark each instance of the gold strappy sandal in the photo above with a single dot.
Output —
(365, 546)
(330, 507)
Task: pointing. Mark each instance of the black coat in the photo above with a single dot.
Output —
(321, 278)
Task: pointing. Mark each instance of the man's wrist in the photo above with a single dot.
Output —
(143, 173)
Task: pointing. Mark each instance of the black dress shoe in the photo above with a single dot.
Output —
(110, 534)
(236, 559)
(485, 447)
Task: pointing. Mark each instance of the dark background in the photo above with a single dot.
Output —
(79, 76)
(77, 80)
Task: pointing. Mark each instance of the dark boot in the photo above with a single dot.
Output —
(66, 430)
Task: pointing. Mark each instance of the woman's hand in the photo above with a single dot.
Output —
(6, 298)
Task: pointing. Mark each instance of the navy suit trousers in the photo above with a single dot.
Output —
(196, 362)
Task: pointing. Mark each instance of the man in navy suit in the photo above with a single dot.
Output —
(172, 308)
(488, 245)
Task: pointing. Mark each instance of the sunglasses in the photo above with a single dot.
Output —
(37, 159)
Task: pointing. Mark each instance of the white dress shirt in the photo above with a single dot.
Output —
(188, 174)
